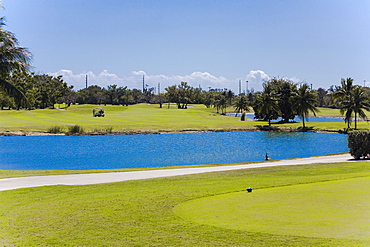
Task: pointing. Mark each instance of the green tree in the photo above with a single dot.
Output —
(344, 90)
(220, 103)
(208, 98)
(241, 105)
(321, 94)
(92, 95)
(355, 103)
(266, 106)
(229, 96)
(304, 102)
(182, 94)
(173, 95)
(285, 90)
(342, 96)
(12, 58)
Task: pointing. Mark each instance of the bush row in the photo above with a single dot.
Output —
(359, 143)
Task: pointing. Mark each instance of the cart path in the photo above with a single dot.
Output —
(98, 178)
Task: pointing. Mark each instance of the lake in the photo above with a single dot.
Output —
(307, 119)
(138, 151)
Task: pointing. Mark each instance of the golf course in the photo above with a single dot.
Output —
(323, 204)
(184, 123)
(144, 118)
(304, 205)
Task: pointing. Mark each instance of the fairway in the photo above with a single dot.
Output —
(143, 118)
(141, 212)
(335, 209)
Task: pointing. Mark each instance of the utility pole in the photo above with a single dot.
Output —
(86, 81)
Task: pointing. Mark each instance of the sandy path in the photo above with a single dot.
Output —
(98, 178)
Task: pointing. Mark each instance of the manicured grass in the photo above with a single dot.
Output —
(138, 118)
(141, 213)
(328, 112)
(142, 118)
(335, 209)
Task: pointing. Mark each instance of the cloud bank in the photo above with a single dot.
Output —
(204, 80)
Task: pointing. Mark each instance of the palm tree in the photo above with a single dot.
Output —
(12, 58)
(304, 102)
(342, 95)
(221, 103)
(355, 103)
(267, 103)
(229, 96)
(344, 90)
(241, 106)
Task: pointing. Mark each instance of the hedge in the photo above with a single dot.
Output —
(359, 143)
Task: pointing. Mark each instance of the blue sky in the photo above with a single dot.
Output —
(211, 43)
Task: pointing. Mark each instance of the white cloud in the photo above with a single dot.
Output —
(255, 80)
(134, 79)
(79, 80)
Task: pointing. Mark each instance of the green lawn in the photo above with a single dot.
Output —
(139, 118)
(154, 212)
(145, 213)
(143, 118)
(334, 209)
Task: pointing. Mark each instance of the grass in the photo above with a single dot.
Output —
(146, 213)
(336, 209)
(141, 118)
(142, 213)
(136, 118)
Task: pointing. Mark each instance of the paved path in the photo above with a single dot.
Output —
(98, 178)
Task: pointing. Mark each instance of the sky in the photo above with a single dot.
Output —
(207, 43)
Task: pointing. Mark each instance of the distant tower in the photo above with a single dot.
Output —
(159, 87)
(240, 87)
(143, 84)
(86, 81)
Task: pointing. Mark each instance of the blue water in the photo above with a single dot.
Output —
(298, 119)
(307, 119)
(136, 151)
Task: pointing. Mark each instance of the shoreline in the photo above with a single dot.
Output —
(112, 177)
(261, 128)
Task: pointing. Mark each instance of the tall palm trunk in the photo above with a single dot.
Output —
(269, 116)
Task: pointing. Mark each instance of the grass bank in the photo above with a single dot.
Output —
(141, 213)
(124, 119)
(141, 118)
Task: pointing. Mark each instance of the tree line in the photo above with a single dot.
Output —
(21, 89)
(279, 97)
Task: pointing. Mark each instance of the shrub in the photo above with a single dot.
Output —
(108, 130)
(359, 143)
(76, 129)
(55, 129)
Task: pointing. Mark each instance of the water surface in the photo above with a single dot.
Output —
(307, 119)
(137, 151)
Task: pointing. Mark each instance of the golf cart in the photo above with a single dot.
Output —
(98, 112)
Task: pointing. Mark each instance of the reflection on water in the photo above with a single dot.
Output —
(307, 119)
(131, 151)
